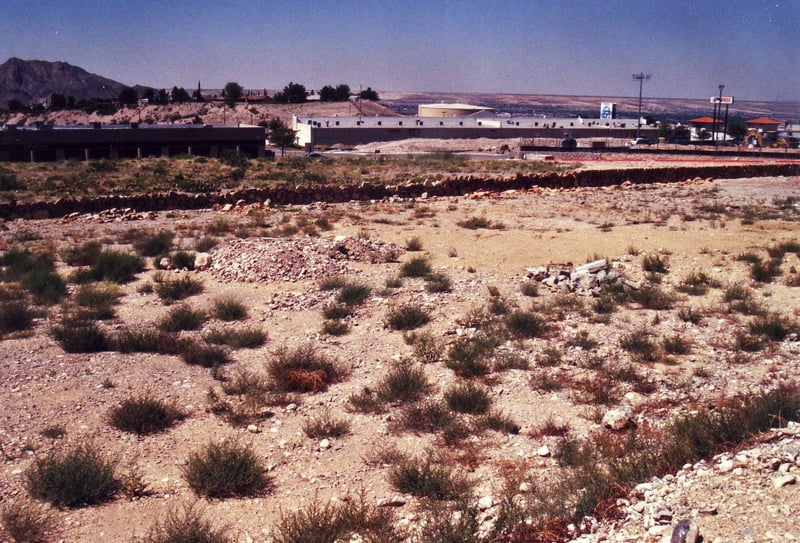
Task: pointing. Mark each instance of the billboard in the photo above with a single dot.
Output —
(608, 110)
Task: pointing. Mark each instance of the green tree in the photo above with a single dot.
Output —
(666, 131)
(293, 93)
(128, 96)
(58, 101)
(232, 92)
(280, 135)
(340, 93)
(179, 95)
(737, 129)
(369, 94)
(149, 95)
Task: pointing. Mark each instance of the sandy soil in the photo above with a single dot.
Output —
(695, 226)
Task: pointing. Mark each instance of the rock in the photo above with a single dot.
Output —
(544, 450)
(324, 444)
(252, 428)
(783, 480)
(617, 419)
(686, 531)
(486, 502)
(202, 261)
(726, 466)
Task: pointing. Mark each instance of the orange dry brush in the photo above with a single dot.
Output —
(306, 381)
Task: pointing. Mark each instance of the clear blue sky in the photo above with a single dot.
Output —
(566, 47)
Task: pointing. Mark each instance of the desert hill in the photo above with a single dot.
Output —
(32, 80)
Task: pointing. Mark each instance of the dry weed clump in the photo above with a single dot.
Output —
(144, 415)
(188, 525)
(26, 521)
(303, 369)
(226, 469)
(429, 477)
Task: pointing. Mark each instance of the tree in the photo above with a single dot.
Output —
(179, 95)
(293, 93)
(666, 131)
(369, 94)
(737, 129)
(128, 96)
(232, 92)
(163, 96)
(149, 95)
(15, 106)
(280, 135)
(341, 93)
(58, 101)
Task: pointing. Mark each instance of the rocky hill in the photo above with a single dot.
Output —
(32, 80)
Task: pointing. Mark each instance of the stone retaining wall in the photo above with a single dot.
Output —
(456, 186)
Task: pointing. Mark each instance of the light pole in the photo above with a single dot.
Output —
(717, 113)
(641, 77)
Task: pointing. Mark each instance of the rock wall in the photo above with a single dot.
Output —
(455, 186)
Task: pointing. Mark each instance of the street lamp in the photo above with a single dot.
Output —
(641, 77)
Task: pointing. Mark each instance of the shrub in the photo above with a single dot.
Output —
(403, 383)
(228, 308)
(98, 296)
(144, 415)
(654, 264)
(205, 244)
(428, 478)
(335, 327)
(173, 290)
(187, 526)
(429, 416)
(468, 398)
(765, 272)
(154, 244)
(76, 335)
(182, 317)
(475, 222)
(336, 521)
(407, 317)
(438, 282)
(236, 338)
(25, 521)
(182, 260)
(15, 316)
(336, 311)
(366, 401)
(697, 283)
(675, 344)
(499, 422)
(352, 294)
(640, 345)
(53, 432)
(425, 346)
(78, 477)
(530, 289)
(206, 356)
(510, 360)
(690, 314)
(114, 266)
(303, 369)
(416, 267)
(82, 255)
(47, 287)
(326, 426)
(652, 297)
(226, 469)
(16, 263)
(144, 340)
(525, 324)
(414, 244)
(468, 355)
(749, 256)
(771, 326)
(332, 282)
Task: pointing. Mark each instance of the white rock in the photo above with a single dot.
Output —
(783, 480)
(324, 444)
(544, 450)
(252, 428)
(617, 419)
(485, 503)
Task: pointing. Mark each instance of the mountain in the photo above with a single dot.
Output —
(33, 80)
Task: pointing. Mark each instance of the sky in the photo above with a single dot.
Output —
(580, 47)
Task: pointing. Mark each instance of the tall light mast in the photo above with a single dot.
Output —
(641, 77)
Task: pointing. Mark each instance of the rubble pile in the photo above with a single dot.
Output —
(585, 280)
(295, 259)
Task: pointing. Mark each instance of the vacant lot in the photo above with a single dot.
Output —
(358, 349)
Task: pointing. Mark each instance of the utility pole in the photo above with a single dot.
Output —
(641, 77)
(717, 112)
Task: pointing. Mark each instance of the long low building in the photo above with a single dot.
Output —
(48, 143)
(327, 131)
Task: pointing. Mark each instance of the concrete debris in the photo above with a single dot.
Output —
(585, 280)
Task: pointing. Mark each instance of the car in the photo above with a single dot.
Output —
(314, 155)
(640, 141)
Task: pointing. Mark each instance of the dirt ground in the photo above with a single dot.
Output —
(695, 227)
